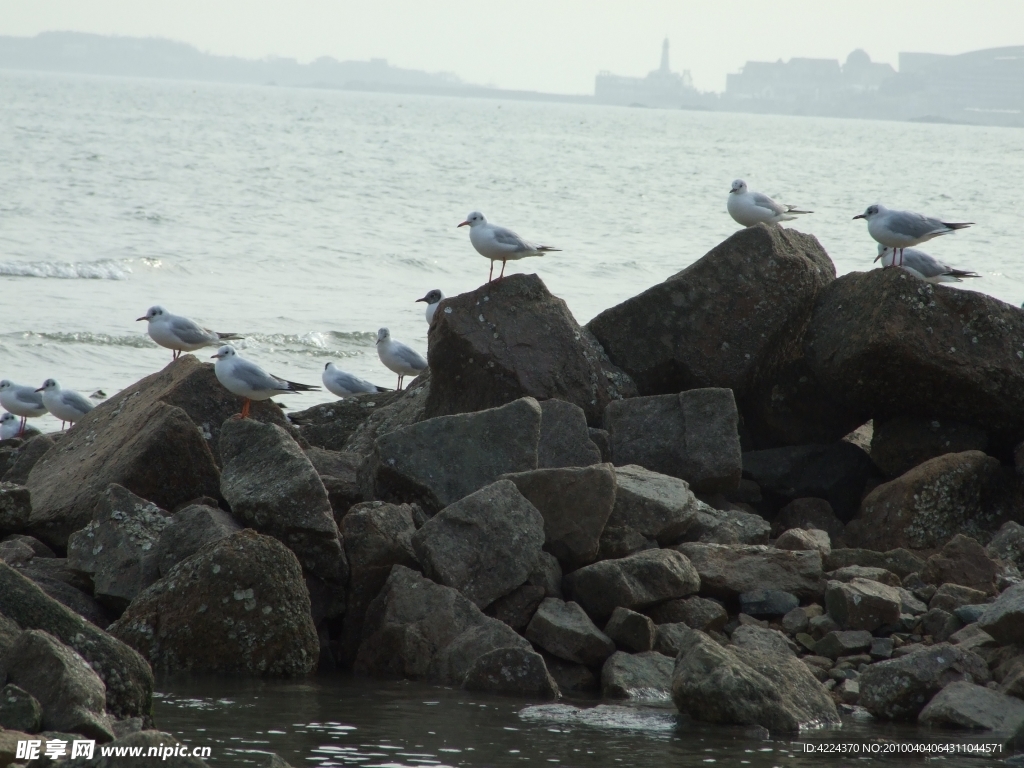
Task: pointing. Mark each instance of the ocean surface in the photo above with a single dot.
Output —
(307, 218)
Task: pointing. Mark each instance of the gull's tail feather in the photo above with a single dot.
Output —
(547, 249)
(961, 273)
(229, 336)
(296, 387)
(957, 225)
(794, 209)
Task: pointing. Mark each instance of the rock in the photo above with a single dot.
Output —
(26, 457)
(637, 676)
(564, 630)
(237, 605)
(632, 582)
(969, 614)
(873, 333)
(565, 439)
(331, 425)
(810, 540)
(188, 530)
(692, 435)
(599, 437)
(761, 639)
(71, 694)
(126, 675)
(19, 710)
(898, 689)
(339, 472)
(671, 639)
(728, 571)
(962, 561)
(441, 460)
(572, 678)
(631, 630)
(485, 545)
(619, 541)
(821, 625)
(949, 597)
(748, 687)
(902, 562)
(837, 472)
(939, 624)
(972, 638)
(695, 612)
(272, 487)
(722, 321)
(575, 503)
(1004, 618)
(1008, 543)
(15, 507)
(38, 548)
(16, 553)
(862, 604)
(849, 691)
(716, 526)
(808, 513)
(843, 643)
(658, 507)
(767, 602)
(517, 607)
(515, 671)
(966, 705)
(851, 572)
(881, 648)
(798, 619)
(547, 574)
(117, 549)
(513, 339)
(899, 444)
(156, 740)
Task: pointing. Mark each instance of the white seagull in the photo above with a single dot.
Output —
(499, 244)
(22, 401)
(922, 265)
(66, 404)
(179, 333)
(904, 229)
(432, 299)
(10, 426)
(398, 357)
(750, 208)
(344, 384)
(246, 379)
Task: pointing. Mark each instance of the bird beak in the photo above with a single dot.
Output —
(214, 357)
(859, 216)
(419, 300)
(140, 318)
(40, 389)
(879, 256)
(463, 224)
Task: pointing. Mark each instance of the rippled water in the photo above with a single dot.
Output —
(309, 218)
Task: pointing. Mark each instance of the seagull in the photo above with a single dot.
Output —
(66, 404)
(10, 426)
(750, 208)
(432, 299)
(922, 265)
(904, 229)
(499, 244)
(398, 357)
(179, 333)
(246, 379)
(21, 401)
(345, 384)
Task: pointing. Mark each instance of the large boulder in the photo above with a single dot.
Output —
(564, 630)
(748, 687)
(339, 472)
(565, 439)
(272, 487)
(188, 530)
(728, 526)
(238, 605)
(962, 560)
(726, 572)
(484, 545)
(900, 561)
(19, 709)
(876, 336)
(808, 513)
(25, 457)
(575, 503)
(862, 604)
(330, 425)
(631, 630)
(15, 507)
(691, 435)
(658, 507)
(639, 677)
(405, 409)
(513, 339)
(441, 460)
(966, 705)
(901, 443)
(1004, 617)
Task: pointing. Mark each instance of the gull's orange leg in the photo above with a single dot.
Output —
(490, 275)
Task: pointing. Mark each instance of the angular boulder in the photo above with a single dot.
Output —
(695, 612)
(565, 439)
(19, 709)
(1004, 618)
(640, 677)
(808, 513)
(564, 630)
(15, 507)
(728, 571)
(631, 630)
(330, 425)
(188, 530)
(750, 637)
(901, 443)
(514, 671)
(25, 457)
(862, 604)
(798, 539)
(966, 705)
(729, 526)
(962, 561)
(404, 410)
(658, 507)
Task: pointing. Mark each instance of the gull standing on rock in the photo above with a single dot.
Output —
(21, 401)
(750, 208)
(398, 357)
(432, 299)
(246, 379)
(904, 229)
(179, 333)
(922, 265)
(499, 244)
(344, 384)
(11, 426)
(66, 404)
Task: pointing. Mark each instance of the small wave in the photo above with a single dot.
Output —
(138, 341)
(314, 344)
(104, 269)
(602, 716)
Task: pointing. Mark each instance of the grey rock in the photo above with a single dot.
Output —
(729, 526)
(695, 612)
(800, 539)
(19, 710)
(404, 409)
(862, 604)
(515, 671)
(517, 607)
(641, 677)
(969, 614)
(902, 562)
(38, 548)
(962, 560)
(901, 443)
(966, 705)
(972, 637)
(659, 507)
(339, 472)
(331, 425)
(881, 648)
(728, 571)
(939, 624)
(16, 553)
(671, 639)
(572, 678)
(843, 643)
(761, 639)
(808, 513)
(851, 572)
(188, 530)
(619, 541)
(15, 507)
(547, 574)
(768, 602)
(909, 604)
(1008, 543)
(949, 597)
(631, 630)
(564, 630)
(79, 601)
(1004, 618)
(565, 439)
(26, 457)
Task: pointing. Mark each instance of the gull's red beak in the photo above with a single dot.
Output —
(140, 318)
(859, 216)
(463, 224)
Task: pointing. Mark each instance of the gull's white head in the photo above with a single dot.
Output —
(383, 335)
(50, 385)
(6, 384)
(432, 297)
(7, 417)
(871, 212)
(224, 352)
(152, 313)
(475, 218)
(739, 186)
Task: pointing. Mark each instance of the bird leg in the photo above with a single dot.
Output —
(21, 429)
(245, 410)
(901, 257)
(490, 275)
(399, 385)
(502, 271)
(62, 423)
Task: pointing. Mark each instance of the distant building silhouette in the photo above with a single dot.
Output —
(803, 80)
(661, 88)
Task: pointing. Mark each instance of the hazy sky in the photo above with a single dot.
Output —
(552, 45)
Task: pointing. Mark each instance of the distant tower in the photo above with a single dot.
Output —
(664, 56)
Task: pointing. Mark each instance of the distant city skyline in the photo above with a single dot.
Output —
(554, 45)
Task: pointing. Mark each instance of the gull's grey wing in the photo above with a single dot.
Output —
(256, 378)
(922, 262)
(509, 239)
(409, 356)
(763, 201)
(28, 397)
(350, 382)
(913, 224)
(191, 332)
(74, 400)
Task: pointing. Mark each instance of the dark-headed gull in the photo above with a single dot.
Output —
(499, 244)
(66, 404)
(344, 384)
(432, 299)
(22, 401)
(11, 426)
(179, 333)
(246, 379)
(904, 229)
(922, 265)
(398, 357)
(750, 208)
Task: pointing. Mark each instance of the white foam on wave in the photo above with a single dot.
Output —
(611, 716)
(136, 340)
(104, 269)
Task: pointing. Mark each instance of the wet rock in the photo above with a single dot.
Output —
(949, 597)
(188, 530)
(761, 639)
(575, 503)
(71, 694)
(692, 435)
(862, 604)
(695, 612)
(808, 513)
(572, 678)
(15, 507)
(237, 605)
(901, 443)
(637, 676)
(127, 676)
(632, 582)
(799, 539)
(843, 643)
(1004, 618)
(517, 607)
(26, 457)
(484, 545)
(962, 561)
(716, 526)
(513, 339)
(898, 689)
(564, 630)
(902, 562)
(1008, 543)
(631, 630)
(330, 425)
(767, 602)
(748, 687)
(441, 460)
(728, 571)
(966, 705)
(19, 710)
(851, 572)
(565, 439)
(405, 409)
(273, 488)
(515, 671)
(657, 507)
